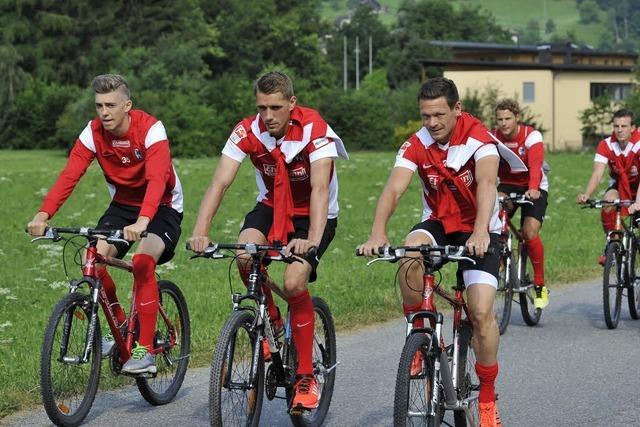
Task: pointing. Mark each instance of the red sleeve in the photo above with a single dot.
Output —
(535, 158)
(79, 160)
(157, 171)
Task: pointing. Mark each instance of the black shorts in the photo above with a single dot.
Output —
(487, 264)
(537, 210)
(261, 218)
(165, 224)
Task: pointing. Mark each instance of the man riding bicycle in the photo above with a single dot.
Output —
(457, 160)
(620, 152)
(293, 151)
(526, 143)
(132, 149)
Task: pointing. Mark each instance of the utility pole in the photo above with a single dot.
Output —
(344, 63)
(371, 55)
(357, 63)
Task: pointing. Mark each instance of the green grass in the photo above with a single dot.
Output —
(33, 279)
(563, 12)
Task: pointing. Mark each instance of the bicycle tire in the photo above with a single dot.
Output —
(63, 385)
(530, 314)
(504, 293)
(633, 286)
(324, 358)
(611, 289)
(242, 404)
(468, 382)
(171, 363)
(413, 393)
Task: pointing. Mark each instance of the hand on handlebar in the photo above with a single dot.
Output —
(582, 199)
(532, 194)
(38, 224)
(478, 243)
(635, 207)
(300, 247)
(198, 244)
(370, 247)
(134, 232)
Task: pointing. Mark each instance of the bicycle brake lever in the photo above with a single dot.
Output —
(391, 259)
(462, 258)
(117, 240)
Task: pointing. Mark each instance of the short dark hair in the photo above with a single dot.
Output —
(274, 82)
(437, 87)
(107, 83)
(623, 112)
(508, 104)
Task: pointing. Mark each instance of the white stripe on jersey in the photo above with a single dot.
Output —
(86, 137)
(326, 151)
(156, 133)
(533, 138)
(177, 199)
(112, 190)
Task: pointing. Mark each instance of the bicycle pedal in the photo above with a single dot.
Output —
(298, 410)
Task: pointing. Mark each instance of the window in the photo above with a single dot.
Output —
(615, 91)
(528, 91)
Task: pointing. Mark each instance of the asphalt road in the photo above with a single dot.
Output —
(568, 371)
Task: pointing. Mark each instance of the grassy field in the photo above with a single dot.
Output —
(33, 278)
(563, 12)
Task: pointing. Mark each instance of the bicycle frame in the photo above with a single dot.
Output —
(507, 230)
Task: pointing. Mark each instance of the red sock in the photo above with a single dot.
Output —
(112, 299)
(487, 376)
(407, 309)
(302, 326)
(608, 220)
(146, 286)
(536, 255)
(271, 305)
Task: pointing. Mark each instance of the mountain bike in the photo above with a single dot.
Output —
(447, 379)
(514, 274)
(71, 355)
(620, 264)
(238, 374)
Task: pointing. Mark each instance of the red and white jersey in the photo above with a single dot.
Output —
(413, 155)
(137, 166)
(309, 138)
(528, 146)
(610, 153)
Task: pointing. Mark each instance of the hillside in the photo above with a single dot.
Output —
(564, 14)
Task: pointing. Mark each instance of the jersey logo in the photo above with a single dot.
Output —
(403, 148)
(434, 180)
(521, 151)
(138, 154)
(120, 144)
(238, 134)
(633, 171)
(467, 177)
(511, 144)
(125, 160)
(320, 142)
(298, 174)
(269, 170)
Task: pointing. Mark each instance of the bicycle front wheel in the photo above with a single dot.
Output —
(633, 288)
(67, 384)
(173, 336)
(236, 386)
(612, 284)
(324, 361)
(415, 385)
(504, 294)
(468, 382)
(530, 314)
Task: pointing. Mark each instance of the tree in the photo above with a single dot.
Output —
(549, 26)
(596, 119)
(589, 11)
(531, 33)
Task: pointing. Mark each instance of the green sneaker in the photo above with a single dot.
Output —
(141, 361)
(108, 342)
(541, 300)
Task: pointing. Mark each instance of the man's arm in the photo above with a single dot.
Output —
(320, 176)
(397, 184)
(79, 160)
(486, 175)
(222, 179)
(596, 176)
(535, 158)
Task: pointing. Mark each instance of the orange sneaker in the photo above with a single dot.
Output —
(489, 415)
(417, 364)
(306, 393)
(266, 353)
(601, 260)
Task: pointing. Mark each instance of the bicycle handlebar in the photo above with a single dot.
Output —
(213, 251)
(112, 236)
(447, 252)
(517, 198)
(599, 203)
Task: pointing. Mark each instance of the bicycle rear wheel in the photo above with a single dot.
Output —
(324, 358)
(530, 314)
(504, 294)
(468, 382)
(413, 393)
(612, 284)
(633, 288)
(173, 333)
(236, 386)
(67, 385)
